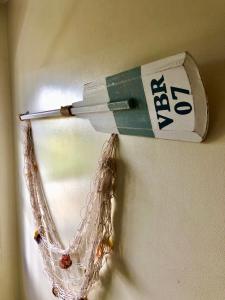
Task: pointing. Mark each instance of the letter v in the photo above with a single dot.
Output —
(166, 122)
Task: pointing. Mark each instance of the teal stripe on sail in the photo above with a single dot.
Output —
(128, 86)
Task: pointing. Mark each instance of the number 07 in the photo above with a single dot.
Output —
(182, 107)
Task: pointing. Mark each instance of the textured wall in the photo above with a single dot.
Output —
(8, 229)
(170, 217)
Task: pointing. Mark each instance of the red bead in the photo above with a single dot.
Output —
(65, 261)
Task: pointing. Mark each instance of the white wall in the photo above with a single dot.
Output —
(170, 218)
(9, 250)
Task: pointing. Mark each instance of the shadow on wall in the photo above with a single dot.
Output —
(213, 75)
(118, 264)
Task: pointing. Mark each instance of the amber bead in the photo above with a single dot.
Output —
(55, 291)
(111, 243)
(65, 261)
(37, 236)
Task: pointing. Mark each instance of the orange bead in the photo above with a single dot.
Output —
(99, 251)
